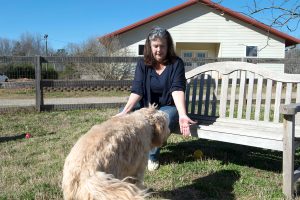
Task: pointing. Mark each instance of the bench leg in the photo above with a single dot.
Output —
(288, 156)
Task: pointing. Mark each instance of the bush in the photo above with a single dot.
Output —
(49, 74)
(28, 71)
(23, 71)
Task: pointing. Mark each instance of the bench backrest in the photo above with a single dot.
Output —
(239, 90)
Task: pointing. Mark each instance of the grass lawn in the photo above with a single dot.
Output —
(32, 168)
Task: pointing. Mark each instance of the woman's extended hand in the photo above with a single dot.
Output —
(184, 123)
(120, 114)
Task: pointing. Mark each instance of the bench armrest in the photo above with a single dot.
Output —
(290, 109)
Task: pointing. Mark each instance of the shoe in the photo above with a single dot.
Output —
(153, 165)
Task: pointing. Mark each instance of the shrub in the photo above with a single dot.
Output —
(49, 74)
(21, 71)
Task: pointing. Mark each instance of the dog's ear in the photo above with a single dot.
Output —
(161, 130)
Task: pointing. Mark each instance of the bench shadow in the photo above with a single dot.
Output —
(218, 185)
(225, 152)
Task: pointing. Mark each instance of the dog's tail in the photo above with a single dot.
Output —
(106, 187)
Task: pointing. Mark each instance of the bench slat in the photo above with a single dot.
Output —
(241, 95)
(298, 93)
(249, 122)
(277, 101)
(297, 118)
(187, 95)
(268, 100)
(200, 100)
(233, 94)
(249, 95)
(215, 93)
(239, 139)
(267, 133)
(288, 93)
(258, 97)
(207, 96)
(223, 98)
(195, 81)
(246, 124)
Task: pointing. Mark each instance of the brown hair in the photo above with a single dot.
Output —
(158, 32)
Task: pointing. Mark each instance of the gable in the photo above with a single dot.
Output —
(201, 25)
(289, 40)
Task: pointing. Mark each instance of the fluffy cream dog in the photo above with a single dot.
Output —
(104, 161)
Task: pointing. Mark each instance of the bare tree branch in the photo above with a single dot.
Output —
(106, 71)
(275, 13)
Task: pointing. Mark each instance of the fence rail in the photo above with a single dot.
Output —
(76, 59)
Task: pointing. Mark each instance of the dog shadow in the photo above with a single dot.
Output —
(12, 137)
(23, 136)
(225, 152)
(218, 185)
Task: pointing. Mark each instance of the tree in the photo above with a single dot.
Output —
(283, 14)
(107, 71)
(32, 44)
(27, 45)
(6, 47)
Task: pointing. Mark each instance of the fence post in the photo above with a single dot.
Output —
(38, 89)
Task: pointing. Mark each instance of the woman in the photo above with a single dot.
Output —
(160, 79)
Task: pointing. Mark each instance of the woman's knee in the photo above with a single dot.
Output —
(172, 114)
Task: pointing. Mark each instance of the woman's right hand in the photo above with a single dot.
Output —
(120, 114)
(132, 101)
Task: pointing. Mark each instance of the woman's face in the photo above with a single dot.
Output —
(159, 49)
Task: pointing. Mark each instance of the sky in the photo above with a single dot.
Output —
(75, 21)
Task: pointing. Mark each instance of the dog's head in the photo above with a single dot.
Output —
(159, 120)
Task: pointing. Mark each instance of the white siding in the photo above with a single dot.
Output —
(202, 24)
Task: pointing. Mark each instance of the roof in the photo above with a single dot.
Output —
(289, 40)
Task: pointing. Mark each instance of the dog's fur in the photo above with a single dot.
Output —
(102, 161)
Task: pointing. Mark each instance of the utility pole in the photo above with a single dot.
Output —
(46, 37)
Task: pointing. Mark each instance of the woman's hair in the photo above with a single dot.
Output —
(161, 33)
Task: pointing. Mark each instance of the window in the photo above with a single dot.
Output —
(251, 51)
(191, 57)
(141, 49)
(201, 54)
(187, 54)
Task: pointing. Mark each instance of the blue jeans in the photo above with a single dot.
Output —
(172, 114)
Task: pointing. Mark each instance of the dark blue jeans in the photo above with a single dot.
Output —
(172, 114)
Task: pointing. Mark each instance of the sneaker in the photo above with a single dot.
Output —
(153, 165)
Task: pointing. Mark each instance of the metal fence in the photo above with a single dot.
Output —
(64, 74)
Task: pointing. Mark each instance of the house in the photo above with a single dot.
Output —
(202, 28)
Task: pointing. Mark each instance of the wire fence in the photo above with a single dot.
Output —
(62, 83)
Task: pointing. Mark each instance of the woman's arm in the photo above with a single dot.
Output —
(132, 101)
(136, 89)
(184, 120)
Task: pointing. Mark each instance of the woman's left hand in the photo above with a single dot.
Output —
(184, 123)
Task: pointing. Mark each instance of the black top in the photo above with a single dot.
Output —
(157, 85)
(174, 80)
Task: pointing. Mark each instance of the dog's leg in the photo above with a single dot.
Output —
(140, 174)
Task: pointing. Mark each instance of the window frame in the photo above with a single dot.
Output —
(139, 49)
(250, 55)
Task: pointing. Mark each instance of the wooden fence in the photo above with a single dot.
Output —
(41, 85)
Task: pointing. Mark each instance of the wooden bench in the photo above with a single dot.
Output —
(242, 103)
